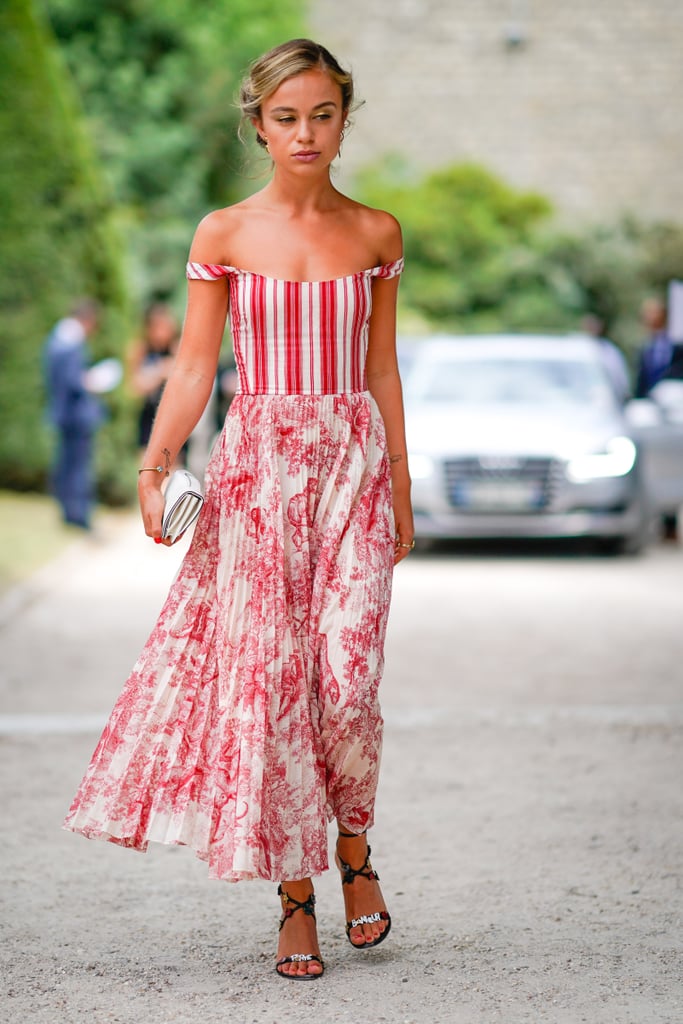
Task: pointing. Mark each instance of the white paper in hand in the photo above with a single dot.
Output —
(104, 376)
(675, 304)
(183, 500)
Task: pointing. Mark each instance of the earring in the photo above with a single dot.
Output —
(341, 142)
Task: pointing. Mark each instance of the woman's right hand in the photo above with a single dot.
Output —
(152, 510)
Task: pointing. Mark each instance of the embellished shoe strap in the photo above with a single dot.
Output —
(379, 915)
(307, 905)
(299, 958)
(365, 871)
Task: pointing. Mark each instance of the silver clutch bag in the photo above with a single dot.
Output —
(183, 500)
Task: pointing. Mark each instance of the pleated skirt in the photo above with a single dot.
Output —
(252, 717)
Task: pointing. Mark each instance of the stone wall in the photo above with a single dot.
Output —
(581, 100)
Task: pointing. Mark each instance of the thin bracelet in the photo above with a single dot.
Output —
(152, 469)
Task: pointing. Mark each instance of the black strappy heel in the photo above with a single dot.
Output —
(308, 907)
(366, 871)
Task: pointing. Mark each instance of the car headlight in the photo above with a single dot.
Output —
(421, 466)
(618, 459)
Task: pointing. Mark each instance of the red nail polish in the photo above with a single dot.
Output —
(157, 540)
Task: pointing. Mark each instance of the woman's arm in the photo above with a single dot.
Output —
(189, 385)
(384, 384)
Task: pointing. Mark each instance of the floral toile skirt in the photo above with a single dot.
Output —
(251, 716)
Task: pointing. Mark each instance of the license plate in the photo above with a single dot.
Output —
(499, 495)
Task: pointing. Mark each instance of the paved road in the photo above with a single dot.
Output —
(529, 832)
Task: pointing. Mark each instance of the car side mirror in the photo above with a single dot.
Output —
(668, 396)
(643, 412)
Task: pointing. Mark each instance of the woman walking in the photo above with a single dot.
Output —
(251, 717)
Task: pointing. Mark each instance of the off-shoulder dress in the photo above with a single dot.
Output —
(251, 716)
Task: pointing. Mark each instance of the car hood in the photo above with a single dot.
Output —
(492, 430)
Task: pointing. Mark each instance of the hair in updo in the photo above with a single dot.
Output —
(285, 61)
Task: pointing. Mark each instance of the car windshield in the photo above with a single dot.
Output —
(528, 381)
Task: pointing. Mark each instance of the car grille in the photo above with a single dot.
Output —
(505, 484)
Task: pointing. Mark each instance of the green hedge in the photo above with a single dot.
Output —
(58, 243)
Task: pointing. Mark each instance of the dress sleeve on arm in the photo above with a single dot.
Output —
(207, 271)
(388, 269)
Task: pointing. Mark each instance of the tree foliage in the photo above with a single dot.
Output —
(467, 239)
(158, 82)
(57, 241)
(107, 208)
(482, 256)
(610, 269)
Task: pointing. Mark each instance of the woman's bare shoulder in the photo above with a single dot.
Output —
(382, 229)
(212, 239)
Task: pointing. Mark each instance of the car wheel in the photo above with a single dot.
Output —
(632, 544)
(425, 545)
(629, 543)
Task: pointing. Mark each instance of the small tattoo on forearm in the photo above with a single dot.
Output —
(167, 456)
(395, 458)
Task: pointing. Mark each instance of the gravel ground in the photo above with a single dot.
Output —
(529, 832)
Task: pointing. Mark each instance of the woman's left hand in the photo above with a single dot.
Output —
(405, 533)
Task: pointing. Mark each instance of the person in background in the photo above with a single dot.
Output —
(659, 359)
(228, 382)
(151, 362)
(612, 357)
(74, 411)
(657, 354)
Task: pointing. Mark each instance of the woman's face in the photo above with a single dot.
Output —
(302, 121)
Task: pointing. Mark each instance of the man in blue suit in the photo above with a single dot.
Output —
(74, 411)
(659, 358)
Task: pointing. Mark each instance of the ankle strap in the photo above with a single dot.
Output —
(364, 871)
(351, 835)
(307, 905)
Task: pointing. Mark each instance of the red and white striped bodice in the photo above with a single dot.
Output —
(298, 337)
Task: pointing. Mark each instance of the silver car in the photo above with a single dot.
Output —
(516, 436)
(657, 427)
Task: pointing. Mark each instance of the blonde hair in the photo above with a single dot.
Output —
(285, 61)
